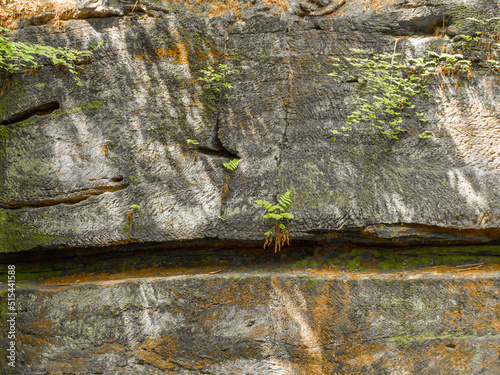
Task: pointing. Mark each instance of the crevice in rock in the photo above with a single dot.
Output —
(74, 197)
(431, 25)
(220, 151)
(286, 102)
(41, 110)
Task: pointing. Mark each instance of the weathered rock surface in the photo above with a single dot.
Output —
(266, 317)
(74, 158)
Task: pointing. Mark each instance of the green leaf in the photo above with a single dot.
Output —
(272, 216)
(232, 165)
(265, 204)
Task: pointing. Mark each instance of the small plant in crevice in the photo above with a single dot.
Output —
(127, 228)
(97, 46)
(425, 134)
(135, 208)
(232, 165)
(277, 216)
(214, 80)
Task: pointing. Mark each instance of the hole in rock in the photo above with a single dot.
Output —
(41, 110)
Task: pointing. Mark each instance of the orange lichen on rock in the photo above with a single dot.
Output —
(182, 58)
(161, 53)
(283, 5)
(158, 352)
(376, 5)
(13, 10)
(220, 8)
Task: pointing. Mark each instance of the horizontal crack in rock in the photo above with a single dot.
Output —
(41, 110)
(220, 152)
(78, 196)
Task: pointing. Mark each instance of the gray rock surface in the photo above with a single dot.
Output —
(262, 323)
(120, 139)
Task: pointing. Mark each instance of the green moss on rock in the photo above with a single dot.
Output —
(17, 236)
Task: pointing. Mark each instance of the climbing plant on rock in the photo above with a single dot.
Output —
(385, 91)
(18, 55)
(388, 82)
(214, 80)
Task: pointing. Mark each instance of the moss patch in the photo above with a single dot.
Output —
(18, 236)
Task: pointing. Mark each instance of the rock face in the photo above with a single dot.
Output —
(202, 313)
(107, 165)
(263, 324)
(75, 158)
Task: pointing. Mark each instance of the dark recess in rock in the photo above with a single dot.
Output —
(78, 197)
(426, 25)
(41, 110)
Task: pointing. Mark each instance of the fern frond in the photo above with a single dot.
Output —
(285, 200)
(272, 216)
(264, 204)
(277, 212)
(232, 165)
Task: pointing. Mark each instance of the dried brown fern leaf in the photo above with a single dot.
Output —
(225, 188)
(130, 217)
(469, 73)
(5, 86)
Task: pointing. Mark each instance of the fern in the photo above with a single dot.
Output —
(232, 165)
(277, 214)
(135, 208)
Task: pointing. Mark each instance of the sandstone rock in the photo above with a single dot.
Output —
(123, 132)
(104, 171)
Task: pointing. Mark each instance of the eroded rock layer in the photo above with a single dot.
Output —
(216, 312)
(75, 158)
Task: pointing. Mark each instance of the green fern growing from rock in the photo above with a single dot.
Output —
(232, 165)
(277, 215)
